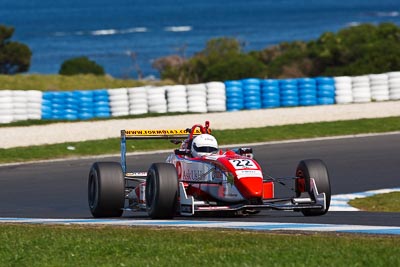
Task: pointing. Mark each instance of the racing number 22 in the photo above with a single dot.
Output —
(242, 163)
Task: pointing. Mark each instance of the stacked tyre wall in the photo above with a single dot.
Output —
(245, 94)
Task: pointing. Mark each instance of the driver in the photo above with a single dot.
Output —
(204, 144)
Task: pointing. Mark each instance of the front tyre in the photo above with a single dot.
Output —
(161, 191)
(106, 189)
(315, 168)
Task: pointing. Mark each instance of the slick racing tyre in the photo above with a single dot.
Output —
(106, 189)
(315, 168)
(161, 191)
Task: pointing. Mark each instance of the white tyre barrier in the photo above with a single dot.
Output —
(394, 94)
(394, 74)
(216, 97)
(136, 111)
(342, 79)
(216, 104)
(343, 90)
(343, 87)
(5, 93)
(156, 99)
(360, 79)
(361, 89)
(344, 99)
(118, 102)
(34, 96)
(6, 107)
(6, 118)
(394, 85)
(138, 103)
(176, 98)
(34, 106)
(379, 87)
(197, 98)
(20, 105)
(219, 85)
(138, 100)
(5, 100)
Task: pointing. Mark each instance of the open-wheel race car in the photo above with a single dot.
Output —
(198, 177)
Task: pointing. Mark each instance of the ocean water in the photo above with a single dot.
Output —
(109, 32)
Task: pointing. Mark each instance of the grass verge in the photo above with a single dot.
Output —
(66, 83)
(389, 202)
(251, 135)
(35, 245)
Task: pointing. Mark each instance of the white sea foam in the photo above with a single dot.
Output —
(178, 28)
(353, 24)
(114, 31)
(104, 32)
(132, 30)
(387, 14)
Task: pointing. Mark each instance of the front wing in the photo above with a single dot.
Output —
(314, 200)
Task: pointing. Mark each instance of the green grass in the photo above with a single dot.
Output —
(66, 83)
(35, 245)
(389, 202)
(286, 132)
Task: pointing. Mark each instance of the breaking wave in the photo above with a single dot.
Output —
(103, 32)
(387, 14)
(178, 28)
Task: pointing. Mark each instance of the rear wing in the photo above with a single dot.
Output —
(171, 134)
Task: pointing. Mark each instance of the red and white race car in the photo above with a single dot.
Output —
(198, 177)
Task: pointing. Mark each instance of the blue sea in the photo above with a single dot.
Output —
(110, 32)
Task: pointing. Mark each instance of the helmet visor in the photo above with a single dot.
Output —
(205, 149)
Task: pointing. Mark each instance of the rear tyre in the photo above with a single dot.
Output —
(106, 189)
(315, 168)
(161, 191)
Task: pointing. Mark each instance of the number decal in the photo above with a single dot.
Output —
(243, 164)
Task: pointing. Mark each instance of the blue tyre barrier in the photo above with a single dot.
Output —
(326, 93)
(251, 93)
(271, 103)
(85, 115)
(307, 91)
(289, 103)
(270, 93)
(252, 105)
(326, 101)
(269, 96)
(251, 81)
(47, 96)
(71, 117)
(269, 82)
(103, 115)
(307, 86)
(270, 89)
(308, 97)
(306, 82)
(289, 87)
(233, 84)
(285, 82)
(308, 102)
(289, 92)
(234, 95)
(325, 80)
(234, 106)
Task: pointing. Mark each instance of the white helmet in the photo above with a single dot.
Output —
(204, 144)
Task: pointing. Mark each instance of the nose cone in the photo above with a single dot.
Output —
(250, 187)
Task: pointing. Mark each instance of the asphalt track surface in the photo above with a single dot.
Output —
(59, 189)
